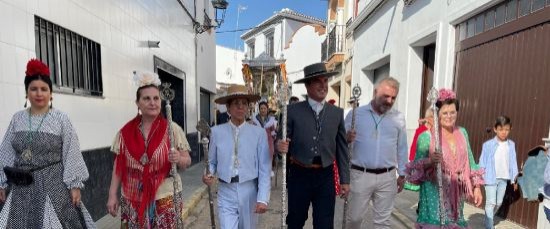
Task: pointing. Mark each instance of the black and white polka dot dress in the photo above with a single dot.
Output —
(54, 147)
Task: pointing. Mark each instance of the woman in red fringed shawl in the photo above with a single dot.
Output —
(462, 177)
(143, 161)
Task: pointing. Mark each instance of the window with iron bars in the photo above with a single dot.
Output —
(74, 61)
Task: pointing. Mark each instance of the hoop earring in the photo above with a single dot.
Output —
(51, 103)
(26, 99)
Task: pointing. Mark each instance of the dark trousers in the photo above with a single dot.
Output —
(315, 186)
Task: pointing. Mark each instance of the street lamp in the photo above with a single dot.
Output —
(220, 6)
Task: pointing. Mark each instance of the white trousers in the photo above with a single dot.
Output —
(381, 189)
(236, 205)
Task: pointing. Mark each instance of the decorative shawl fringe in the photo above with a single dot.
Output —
(140, 182)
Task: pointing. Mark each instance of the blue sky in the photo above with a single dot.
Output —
(259, 10)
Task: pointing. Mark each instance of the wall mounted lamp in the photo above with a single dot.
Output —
(220, 7)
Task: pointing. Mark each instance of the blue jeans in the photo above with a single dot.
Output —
(493, 199)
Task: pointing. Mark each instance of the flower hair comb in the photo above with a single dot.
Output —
(142, 79)
(445, 94)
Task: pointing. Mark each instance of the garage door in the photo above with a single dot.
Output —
(503, 68)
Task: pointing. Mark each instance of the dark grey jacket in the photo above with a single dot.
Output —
(302, 132)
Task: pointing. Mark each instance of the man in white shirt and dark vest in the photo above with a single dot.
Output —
(316, 139)
(380, 149)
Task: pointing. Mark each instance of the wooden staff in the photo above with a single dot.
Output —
(204, 129)
(355, 97)
(168, 95)
(432, 98)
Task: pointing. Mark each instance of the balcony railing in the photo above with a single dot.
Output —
(334, 43)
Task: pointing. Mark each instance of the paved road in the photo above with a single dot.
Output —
(199, 217)
(196, 208)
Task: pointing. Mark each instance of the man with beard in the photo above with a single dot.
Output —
(316, 140)
(380, 148)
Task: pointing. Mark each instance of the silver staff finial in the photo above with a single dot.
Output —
(432, 95)
(166, 93)
(356, 92)
(203, 128)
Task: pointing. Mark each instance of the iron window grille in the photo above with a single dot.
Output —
(74, 61)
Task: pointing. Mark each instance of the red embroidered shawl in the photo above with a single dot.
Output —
(140, 182)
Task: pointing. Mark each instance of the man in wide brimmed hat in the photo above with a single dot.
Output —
(239, 157)
(316, 140)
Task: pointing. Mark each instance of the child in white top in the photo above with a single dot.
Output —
(498, 158)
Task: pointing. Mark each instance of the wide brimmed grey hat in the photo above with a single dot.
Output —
(315, 70)
(237, 91)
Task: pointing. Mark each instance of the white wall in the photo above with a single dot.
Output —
(290, 28)
(206, 68)
(283, 32)
(362, 4)
(121, 28)
(231, 59)
(397, 33)
(304, 50)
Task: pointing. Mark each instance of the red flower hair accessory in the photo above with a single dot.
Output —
(445, 94)
(36, 67)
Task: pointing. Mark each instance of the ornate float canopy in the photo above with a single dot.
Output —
(262, 74)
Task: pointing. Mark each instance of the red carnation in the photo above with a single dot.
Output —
(36, 67)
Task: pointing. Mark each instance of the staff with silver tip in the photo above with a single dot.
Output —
(356, 93)
(432, 98)
(204, 129)
(167, 94)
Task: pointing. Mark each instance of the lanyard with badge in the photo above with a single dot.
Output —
(376, 124)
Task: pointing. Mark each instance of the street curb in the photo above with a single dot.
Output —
(406, 221)
(193, 201)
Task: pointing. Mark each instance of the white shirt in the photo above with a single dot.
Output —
(381, 147)
(316, 106)
(234, 157)
(502, 164)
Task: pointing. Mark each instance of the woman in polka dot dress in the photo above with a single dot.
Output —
(42, 141)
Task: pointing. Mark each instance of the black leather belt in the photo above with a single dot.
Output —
(375, 171)
(234, 179)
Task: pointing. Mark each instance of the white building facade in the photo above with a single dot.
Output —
(389, 40)
(287, 35)
(228, 67)
(337, 49)
(92, 48)
(228, 71)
